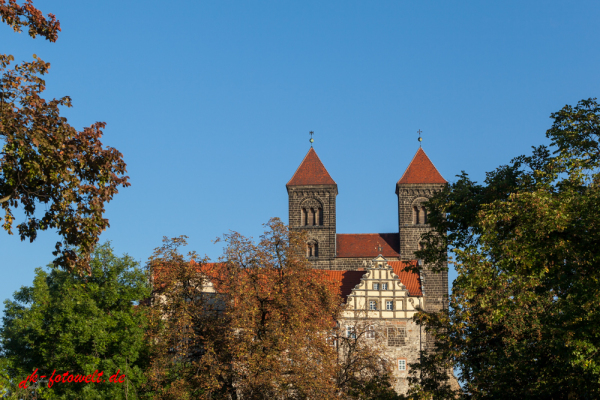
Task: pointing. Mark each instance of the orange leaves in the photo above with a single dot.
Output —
(18, 16)
(258, 317)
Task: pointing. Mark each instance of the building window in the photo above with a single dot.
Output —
(331, 340)
(311, 216)
(376, 286)
(389, 305)
(384, 286)
(402, 364)
(424, 210)
(416, 215)
(370, 332)
(350, 332)
(372, 305)
(312, 249)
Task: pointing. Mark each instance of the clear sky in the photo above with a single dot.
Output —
(211, 102)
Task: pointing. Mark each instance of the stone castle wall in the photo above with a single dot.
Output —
(434, 285)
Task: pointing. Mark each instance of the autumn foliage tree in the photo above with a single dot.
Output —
(261, 335)
(363, 371)
(44, 160)
(524, 311)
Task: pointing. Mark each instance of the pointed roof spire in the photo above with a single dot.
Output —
(311, 172)
(421, 170)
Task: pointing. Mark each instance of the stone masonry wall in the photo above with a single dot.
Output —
(323, 234)
(346, 264)
(394, 350)
(435, 285)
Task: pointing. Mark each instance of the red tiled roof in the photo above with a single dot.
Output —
(345, 280)
(311, 172)
(367, 245)
(162, 279)
(409, 279)
(421, 170)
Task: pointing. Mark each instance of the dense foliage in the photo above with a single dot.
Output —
(524, 311)
(67, 322)
(260, 336)
(44, 160)
(258, 324)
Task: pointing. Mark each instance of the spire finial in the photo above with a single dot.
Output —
(311, 138)
(420, 138)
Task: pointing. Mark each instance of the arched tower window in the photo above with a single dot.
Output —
(312, 249)
(416, 212)
(424, 210)
(311, 215)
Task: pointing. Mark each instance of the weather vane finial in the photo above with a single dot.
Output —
(311, 138)
(420, 138)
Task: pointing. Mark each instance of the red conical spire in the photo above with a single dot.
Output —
(311, 172)
(421, 170)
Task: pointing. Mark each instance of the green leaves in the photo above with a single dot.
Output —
(524, 311)
(66, 322)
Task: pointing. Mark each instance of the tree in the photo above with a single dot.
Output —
(363, 372)
(67, 322)
(524, 309)
(254, 325)
(44, 160)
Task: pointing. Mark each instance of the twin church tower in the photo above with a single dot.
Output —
(312, 208)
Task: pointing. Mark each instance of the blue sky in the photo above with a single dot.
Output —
(211, 102)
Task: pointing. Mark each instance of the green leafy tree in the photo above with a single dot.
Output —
(67, 322)
(44, 160)
(524, 310)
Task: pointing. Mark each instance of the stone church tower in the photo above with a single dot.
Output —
(381, 295)
(312, 207)
(312, 194)
(419, 182)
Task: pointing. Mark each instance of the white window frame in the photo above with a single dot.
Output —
(331, 340)
(373, 305)
(376, 286)
(370, 332)
(402, 364)
(389, 305)
(350, 332)
(384, 286)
